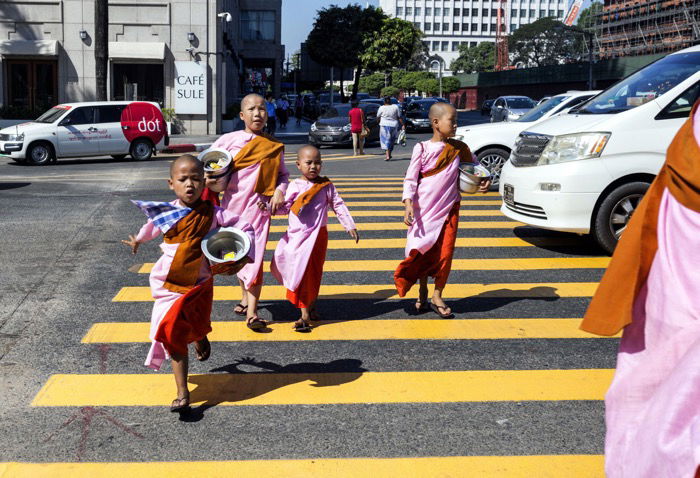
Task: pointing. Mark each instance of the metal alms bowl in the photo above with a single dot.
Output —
(470, 176)
(223, 240)
(215, 160)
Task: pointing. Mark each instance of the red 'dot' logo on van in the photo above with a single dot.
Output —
(140, 120)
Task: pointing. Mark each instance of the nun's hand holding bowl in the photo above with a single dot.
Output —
(230, 268)
(484, 185)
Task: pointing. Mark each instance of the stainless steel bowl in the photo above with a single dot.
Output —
(470, 176)
(224, 240)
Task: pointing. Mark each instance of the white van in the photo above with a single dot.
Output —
(113, 128)
(587, 170)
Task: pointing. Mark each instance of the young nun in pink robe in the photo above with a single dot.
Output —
(301, 252)
(652, 289)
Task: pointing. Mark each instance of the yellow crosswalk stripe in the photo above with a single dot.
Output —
(384, 329)
(399, 213)
(400, 226)
(267, 388)
(465, 197)
(528, 466)
(513, 264)
(551, 290)
(475, 202)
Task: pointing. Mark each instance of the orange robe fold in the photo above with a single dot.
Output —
(267, 152)
(307, 291)
(306, 197)
(453, 148)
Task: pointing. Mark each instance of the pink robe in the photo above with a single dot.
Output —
(653, 405)
(432, 196)
(294, 248)
(165, 298)
(241, 199)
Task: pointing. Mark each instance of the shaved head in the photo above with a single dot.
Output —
(251, 97)
(184, 159)
(308, 149)
(438, 110)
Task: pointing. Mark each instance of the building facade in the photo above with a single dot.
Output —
(626, 27)
(447, 24)
(195, 56)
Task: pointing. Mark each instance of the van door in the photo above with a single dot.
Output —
(108, 120)
(77, 134)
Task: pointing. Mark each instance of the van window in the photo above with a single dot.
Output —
(540, 110)
(681, 106)
(645, 85)
(82, 115)
(109, 114)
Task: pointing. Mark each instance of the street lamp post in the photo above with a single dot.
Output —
(439, 62)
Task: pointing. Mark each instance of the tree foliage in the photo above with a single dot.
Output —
(475, 59)
(543, 42)
(389, 91)
(431, 86)
(392, 46)
(587, 17)
(373, 83)
(450, 84)
(409, 80)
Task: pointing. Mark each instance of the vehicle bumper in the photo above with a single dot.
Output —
(417, 124)
(570, 209)
(12, 149)
(331, 138)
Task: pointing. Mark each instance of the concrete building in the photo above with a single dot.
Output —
(196, 56)
(449, 23)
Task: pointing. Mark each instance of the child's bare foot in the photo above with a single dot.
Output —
(181, 403)
(202, 349)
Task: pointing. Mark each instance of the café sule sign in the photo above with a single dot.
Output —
(190, 88)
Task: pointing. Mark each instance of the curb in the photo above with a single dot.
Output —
(186, 148)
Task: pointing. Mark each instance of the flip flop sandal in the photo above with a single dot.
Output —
(180, 405)
(240, 309)
(436, 308)
(302, 326)
(256, 323)
(204, 353)
(422, 306)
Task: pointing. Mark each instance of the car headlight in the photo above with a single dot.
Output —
(15, 137)
(313, 127)
(572, 147)
(347, 127)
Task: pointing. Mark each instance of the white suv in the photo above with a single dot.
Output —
(586, 171)
(114, 128)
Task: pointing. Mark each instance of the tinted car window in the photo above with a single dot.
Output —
(681, 106)
(52, 115)
(336, 111)
(520, 103)
(541, 109)
(109, 114)
(82, 115)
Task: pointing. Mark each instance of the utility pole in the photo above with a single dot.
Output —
(101, 52)
(330, 101)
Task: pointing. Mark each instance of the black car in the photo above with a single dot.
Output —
(486, 107)
(417, 114)
(333, 129)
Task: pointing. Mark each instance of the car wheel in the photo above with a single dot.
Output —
(119, 157)
(40, 154)
(141, 149)
(493, 159)
(615, 212)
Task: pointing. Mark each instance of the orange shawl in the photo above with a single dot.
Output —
(306, 197)
(611, 307)
(188, 232)
(453, 148)
(267, 152)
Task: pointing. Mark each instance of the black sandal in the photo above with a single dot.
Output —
(180, 405)
(422, 306)
(302, 325)
(436, 308)
(256, 323)
(203, 353)
(240, 309)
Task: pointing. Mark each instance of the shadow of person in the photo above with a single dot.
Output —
(494, 299)
(237, 385)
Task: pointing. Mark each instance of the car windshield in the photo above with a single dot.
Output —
(325, 97)
(540, 110)
(336, 111)
(52, 115)
(520, 103)
(420, 105)
(645, 85)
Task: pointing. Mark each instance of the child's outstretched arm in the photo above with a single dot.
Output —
(133, 243)
(342, 213)
(410, 183)
(147, 233)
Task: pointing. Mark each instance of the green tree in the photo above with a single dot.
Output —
(543, 42)
(392, 46)
(409, 80)
(419, 58)
(431, 86)
(475, 59)
(587, 17)
(450, 84)
(372, 83)
(389, 91)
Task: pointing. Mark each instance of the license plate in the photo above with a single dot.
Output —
(508, 194)
(326, 138)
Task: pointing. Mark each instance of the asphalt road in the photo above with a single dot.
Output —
(505, 385)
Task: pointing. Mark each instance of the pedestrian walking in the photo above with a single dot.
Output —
(431, 199)
(299, 108)
(389, 123)
(651, 289)
(356, 118)
(181, 280)
(271, 125)
(301, 252)
(282, 111)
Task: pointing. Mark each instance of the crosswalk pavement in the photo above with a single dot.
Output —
(511, 286)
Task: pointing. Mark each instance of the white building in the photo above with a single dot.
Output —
(449, 23)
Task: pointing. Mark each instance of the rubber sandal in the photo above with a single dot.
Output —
(240, 311)
(422, 306)
(204, 353)
(436, 308)
(256, 323)
(302, 325)
(180, 405)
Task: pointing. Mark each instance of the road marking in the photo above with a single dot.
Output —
(465, 196)
(400, 226)
(541, 466)
(399, 204)
(376, 292)
(399, 213)
(319, 388)
(368, 329)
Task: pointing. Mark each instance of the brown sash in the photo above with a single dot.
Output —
(188, 232)
(306, 197)
(611, 307)
(453, 148)
(266, 151)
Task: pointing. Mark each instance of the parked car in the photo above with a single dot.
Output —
(510, 108)
(107, 128)
(333, 129)
(493, 142)
(417, 114)
(363, 96)
(486, 107)
(543, 99)
(379, 101)
(587, 171)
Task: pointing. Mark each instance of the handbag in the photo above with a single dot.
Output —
(401, 137)
(365, 131)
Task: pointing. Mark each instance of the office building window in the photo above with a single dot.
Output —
(560, 13)
(494, 12)
(455, 46)
(455, 27)
(418, 11)
(446, 12)
(416, 25)
(409, 11)
(437, 12)
(475, 27)
(458, 12)
(484, 28)
(484, 12)
(551, 13)
(513, 13)
(445, 27)
(258, 25)
(445, 45)
(493, 27)
(523, 13)
(426, 27)
(543, 13)
(513, 27)
(465, 27)
(436, 27)
(428, 12)
(532, 13)
(436, 46)
(399, 12)
(472, 44)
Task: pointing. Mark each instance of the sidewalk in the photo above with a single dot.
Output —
(182, 143)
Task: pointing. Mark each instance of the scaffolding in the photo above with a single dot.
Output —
(627, 27)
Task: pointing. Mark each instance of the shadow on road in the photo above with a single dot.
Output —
(6, 186)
